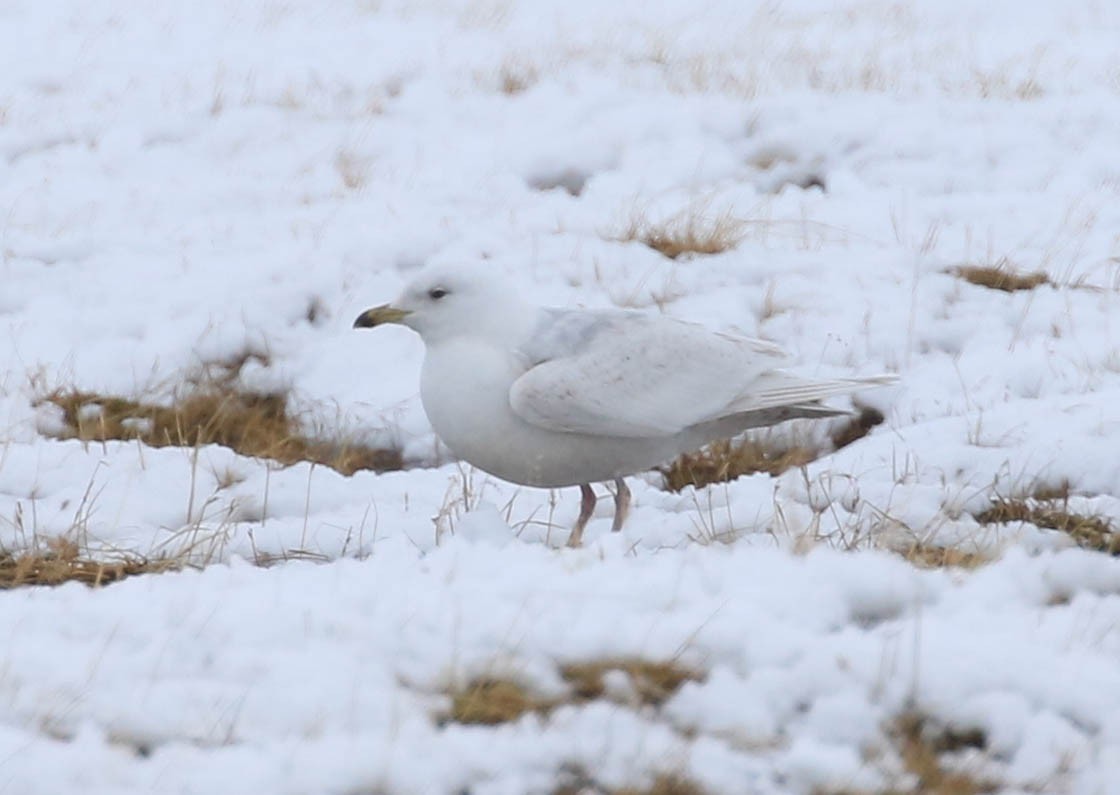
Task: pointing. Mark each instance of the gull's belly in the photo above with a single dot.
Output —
(465, 391)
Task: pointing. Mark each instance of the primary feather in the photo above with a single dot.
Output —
(626, 374)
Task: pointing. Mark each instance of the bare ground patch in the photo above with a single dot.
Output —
(690, 233)
(577, 781)
(726, 460)
(1089, 531)
(931, 556)
(213, 408)
(922, 748)
(933, 757)
(492, 700)
(61, 561)
(651, 682)
(1001, 276)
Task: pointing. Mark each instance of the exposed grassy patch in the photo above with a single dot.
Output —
(921, 749)
(727, 460)
(664, 784)
(1087, 530)
(62, 562)
(653, 682)
(491, 700)
(723, 461)
(1046, 491)
(857, 427)
(212, 410)
(928, 556)
(689, 233)
(1001, 276)
(578, 781)
(266, 560)
(516, 76)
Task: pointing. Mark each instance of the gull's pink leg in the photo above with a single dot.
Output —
(621, 504)
(586, 508)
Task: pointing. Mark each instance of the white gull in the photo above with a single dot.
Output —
(562, 397)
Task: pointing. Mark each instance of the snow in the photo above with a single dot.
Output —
(187, 182)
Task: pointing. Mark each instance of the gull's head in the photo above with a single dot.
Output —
(445, 302)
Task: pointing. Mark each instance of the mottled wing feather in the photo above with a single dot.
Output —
(632, 375)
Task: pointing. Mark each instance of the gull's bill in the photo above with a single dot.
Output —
(379, 315)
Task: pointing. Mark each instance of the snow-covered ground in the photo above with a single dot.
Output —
(184, 182)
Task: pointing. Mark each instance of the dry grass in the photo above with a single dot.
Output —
(857, 427)
(664, 784)
(727, 460)
(1059, 491)
(491, 700)
(1053, 513)
(578, 781)
(212, 411)
(689, 233)
(62, 562)
(921, 750)
(516, 76)
(724, 461)
(1001, 276)
(653, 682)
(928, 556)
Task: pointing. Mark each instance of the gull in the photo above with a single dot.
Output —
(551, 397)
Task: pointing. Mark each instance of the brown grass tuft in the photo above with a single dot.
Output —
(664, 784)
(921, 750)
(723, 461)
(686, 234)
(516, 77)
(579, 782)
(928, 556)
(654, 682)
(857, 427)
(1088, 531)
(61, 562)
(727, 460)
(1000, 276)
(1052, 491)
(490, 701)
(213, 411)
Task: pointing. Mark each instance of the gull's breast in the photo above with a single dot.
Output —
(464, 386)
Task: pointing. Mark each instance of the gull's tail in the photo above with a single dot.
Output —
(782, 396)
(779, 389)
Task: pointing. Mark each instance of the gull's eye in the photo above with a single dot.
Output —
(437, 293)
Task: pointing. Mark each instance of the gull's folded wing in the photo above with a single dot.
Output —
(616, 373)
